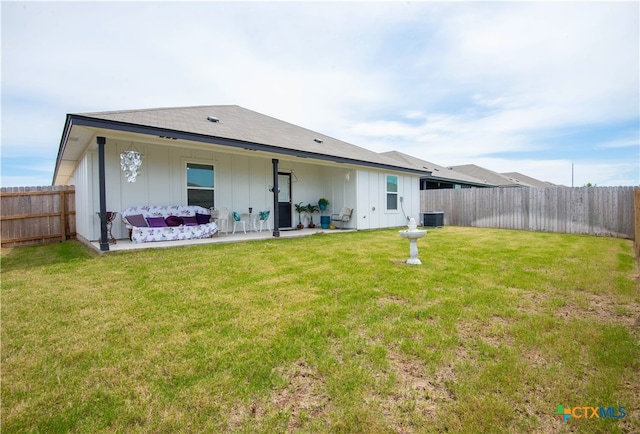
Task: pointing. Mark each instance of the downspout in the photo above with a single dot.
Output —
(276, 211)
(104, 243)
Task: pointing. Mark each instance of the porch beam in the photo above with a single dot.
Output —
(104, 242)
(276, 210)
(233, 143)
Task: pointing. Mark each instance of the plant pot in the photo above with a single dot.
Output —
(300, 226)
(325, 220)
(311, 225)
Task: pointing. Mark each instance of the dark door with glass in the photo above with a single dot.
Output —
(284, 200)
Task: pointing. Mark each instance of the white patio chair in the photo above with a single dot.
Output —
(263, 219)
(236, 220)
(223, 220)
(344, 216)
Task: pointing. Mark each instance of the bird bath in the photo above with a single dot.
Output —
(412, 234)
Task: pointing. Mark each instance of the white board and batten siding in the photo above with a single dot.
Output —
(372, 212)
(241, 181)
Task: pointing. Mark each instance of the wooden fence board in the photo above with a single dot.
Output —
(33, 215)
(603, 211)
(636, 224)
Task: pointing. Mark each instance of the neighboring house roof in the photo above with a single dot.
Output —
(532, 182)
(438, 172)
(226, 125)
(488, 176)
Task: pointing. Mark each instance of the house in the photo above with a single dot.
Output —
(439, 177)
(464, 176)
(225, 156)
(499, 179)
(527, 180)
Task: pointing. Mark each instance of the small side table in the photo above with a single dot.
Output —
(111, 216)
(252, 220)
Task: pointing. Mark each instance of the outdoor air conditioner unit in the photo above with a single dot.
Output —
(433, 219)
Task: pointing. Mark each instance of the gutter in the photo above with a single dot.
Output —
(63, 144)
(459, 181)
(85, 121)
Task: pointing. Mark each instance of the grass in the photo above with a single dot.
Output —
(331, 333)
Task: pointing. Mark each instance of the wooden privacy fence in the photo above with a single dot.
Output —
(636, 240)
(607, 211)
(35, 215)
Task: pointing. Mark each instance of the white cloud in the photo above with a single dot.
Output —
(522, 74)
(33, 171)
(603, 174)
(199, 53)
(445, 82)
(559, 53)
(632, 141)
(26, 180)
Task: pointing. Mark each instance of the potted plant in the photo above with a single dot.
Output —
(311, 209)
(322, 204)
(324, 219)
(300, 208)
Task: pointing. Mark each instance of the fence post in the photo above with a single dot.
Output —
(636, 238)
(63, 212)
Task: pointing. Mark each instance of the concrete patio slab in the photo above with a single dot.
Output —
(238, 237)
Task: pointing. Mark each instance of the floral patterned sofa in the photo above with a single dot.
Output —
(167, 223)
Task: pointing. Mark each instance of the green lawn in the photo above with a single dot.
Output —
(330, 333)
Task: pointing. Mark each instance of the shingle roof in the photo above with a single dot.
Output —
(487, 175)
(437, 172)
(511, 179)
(239, 124)
(532, 182)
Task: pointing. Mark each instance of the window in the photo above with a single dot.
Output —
(392, 192)
(200, 189)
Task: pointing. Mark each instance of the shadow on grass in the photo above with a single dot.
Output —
(17, 258)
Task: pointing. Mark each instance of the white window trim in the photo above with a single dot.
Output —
(387, 192)
(185, 182)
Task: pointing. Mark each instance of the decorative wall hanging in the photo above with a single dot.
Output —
(130, 162)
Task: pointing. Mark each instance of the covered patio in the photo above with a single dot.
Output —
(218, 238)
(223, 157)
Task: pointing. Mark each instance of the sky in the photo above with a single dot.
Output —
(547, 89)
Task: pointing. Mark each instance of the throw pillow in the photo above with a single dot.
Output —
(202, 218)
(190, 221)
(156, 222)
(173, 221)
(137, 220)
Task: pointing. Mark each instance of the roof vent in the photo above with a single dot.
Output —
(213, 119)
(317, 140)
